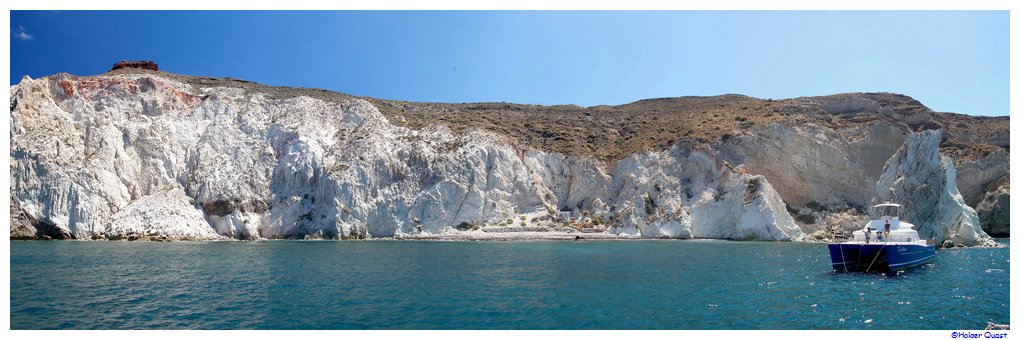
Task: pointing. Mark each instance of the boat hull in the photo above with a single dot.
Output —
(878, 257)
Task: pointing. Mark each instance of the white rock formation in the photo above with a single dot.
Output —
(94, 156)
(120, 155)
(690, 194)
(918, 177)
(168, 215)
(745, 208)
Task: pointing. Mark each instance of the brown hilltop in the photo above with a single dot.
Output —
(611, 132)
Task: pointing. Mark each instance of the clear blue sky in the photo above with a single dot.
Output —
(950, 61)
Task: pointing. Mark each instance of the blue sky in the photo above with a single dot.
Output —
(950, 61)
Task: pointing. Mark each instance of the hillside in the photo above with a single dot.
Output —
(144, 154)
(610, 133)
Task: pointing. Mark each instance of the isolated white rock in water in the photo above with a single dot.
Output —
(169, 214)
(918, 177)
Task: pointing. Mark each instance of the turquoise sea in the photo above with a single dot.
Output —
(661, 284)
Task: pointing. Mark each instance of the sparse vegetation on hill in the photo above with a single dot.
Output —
(610, 133)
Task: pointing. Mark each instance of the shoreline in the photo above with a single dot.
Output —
(463, 236)
(451, 237)
(457, 236)
(474, 238)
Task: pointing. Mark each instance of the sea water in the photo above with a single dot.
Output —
(662, 284)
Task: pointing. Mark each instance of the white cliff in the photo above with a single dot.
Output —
(918, 177)
(94, 156)
(140, 155)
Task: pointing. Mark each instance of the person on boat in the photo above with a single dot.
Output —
(867, 235)
(886, 228)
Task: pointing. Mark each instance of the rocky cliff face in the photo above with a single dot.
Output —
(150, 156)
(810, 164)
(993, 209)
(984, 185)
(925, 183)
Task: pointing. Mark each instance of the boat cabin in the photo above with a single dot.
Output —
(875, 232)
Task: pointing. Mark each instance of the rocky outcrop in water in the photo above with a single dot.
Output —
(918, 177)
(151, 156)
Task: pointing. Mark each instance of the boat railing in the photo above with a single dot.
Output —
(900, 238)
(895, 238)
(843, 236)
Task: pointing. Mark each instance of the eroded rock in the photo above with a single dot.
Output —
(924, 182)
(113, 155)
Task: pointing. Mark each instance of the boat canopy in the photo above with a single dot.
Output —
(886, 205)
(885, 210)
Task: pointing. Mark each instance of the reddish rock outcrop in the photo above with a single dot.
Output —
(143, 64)
(68, 87)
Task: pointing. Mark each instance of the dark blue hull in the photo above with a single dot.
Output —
(877, 257)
